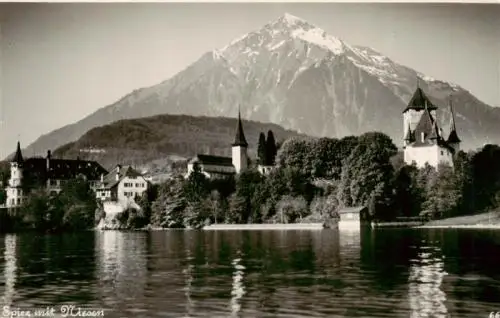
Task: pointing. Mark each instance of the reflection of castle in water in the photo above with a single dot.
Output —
(122, 263)
(10, 269)
(426, 276)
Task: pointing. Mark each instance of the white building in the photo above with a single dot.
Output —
(122, 184)
(217, 166)
(424, 141)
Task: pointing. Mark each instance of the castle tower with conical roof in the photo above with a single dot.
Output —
(14, 190)
(423, 140)
(239, 148)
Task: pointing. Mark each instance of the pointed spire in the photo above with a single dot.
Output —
(435, 131)
(408, 136)
(18, 157)
(419, 100)
(239, 139)
(453, 136)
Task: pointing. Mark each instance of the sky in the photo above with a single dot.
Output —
(61, 62)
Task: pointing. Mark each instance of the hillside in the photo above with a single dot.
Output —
(162, 139)
(292, 73)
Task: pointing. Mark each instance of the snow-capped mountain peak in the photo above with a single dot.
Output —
(291, 19)
(288, 28)
(320, 38)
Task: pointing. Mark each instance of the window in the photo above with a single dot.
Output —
(442, 153)
(53, 182)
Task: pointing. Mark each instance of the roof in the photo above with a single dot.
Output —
(239, 138)
(356, 209)
(453, 136)
(212, 160)
(18, 157)
(219, 172)
(432, 136)
(409, 136)
(110, 180)
(428, 127)
(419, 101)
(63, 169)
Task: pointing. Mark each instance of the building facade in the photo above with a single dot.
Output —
(424, 141)
(46, 173)
(122, 184)
(219, 167)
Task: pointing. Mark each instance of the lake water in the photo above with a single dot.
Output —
(377, 273)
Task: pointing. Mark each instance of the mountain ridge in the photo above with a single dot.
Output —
(140, 141)
(292, 73)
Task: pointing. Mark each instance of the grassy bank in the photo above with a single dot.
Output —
(483, 220)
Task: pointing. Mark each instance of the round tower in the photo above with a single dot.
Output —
(14, 190)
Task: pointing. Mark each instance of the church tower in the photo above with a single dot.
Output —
(239, 148)
(453, 139)
(14, 190)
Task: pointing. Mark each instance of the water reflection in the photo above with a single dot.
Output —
(426, 297)
(10, 268)
(188, 276)
(238, 289)
(122, 268)
(393, 273)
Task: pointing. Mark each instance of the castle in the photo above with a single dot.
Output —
(423, 140)
(219, 167)
(48, 173)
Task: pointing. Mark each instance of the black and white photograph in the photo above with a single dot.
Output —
(239, 159)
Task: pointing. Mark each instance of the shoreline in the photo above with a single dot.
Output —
(461, 226)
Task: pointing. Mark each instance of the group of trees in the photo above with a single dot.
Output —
(266, 149)
(314, 177)
(73, 208)
(311, 179)
(472, 186)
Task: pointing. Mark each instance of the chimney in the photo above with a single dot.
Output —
(102, 177)
(118, 168)
(48, 159)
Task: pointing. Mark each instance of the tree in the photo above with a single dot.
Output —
(262, 149)
(145, 201)
(196, 186)
(323, 208)
(294, 153)
(271, 149)
(408, 196)
(35, 210)
(79, 204)
(486, 176)
(247, 187)
(167, 210)
(214, 204)
(236, 209)
(289, 209)
(367, 174)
